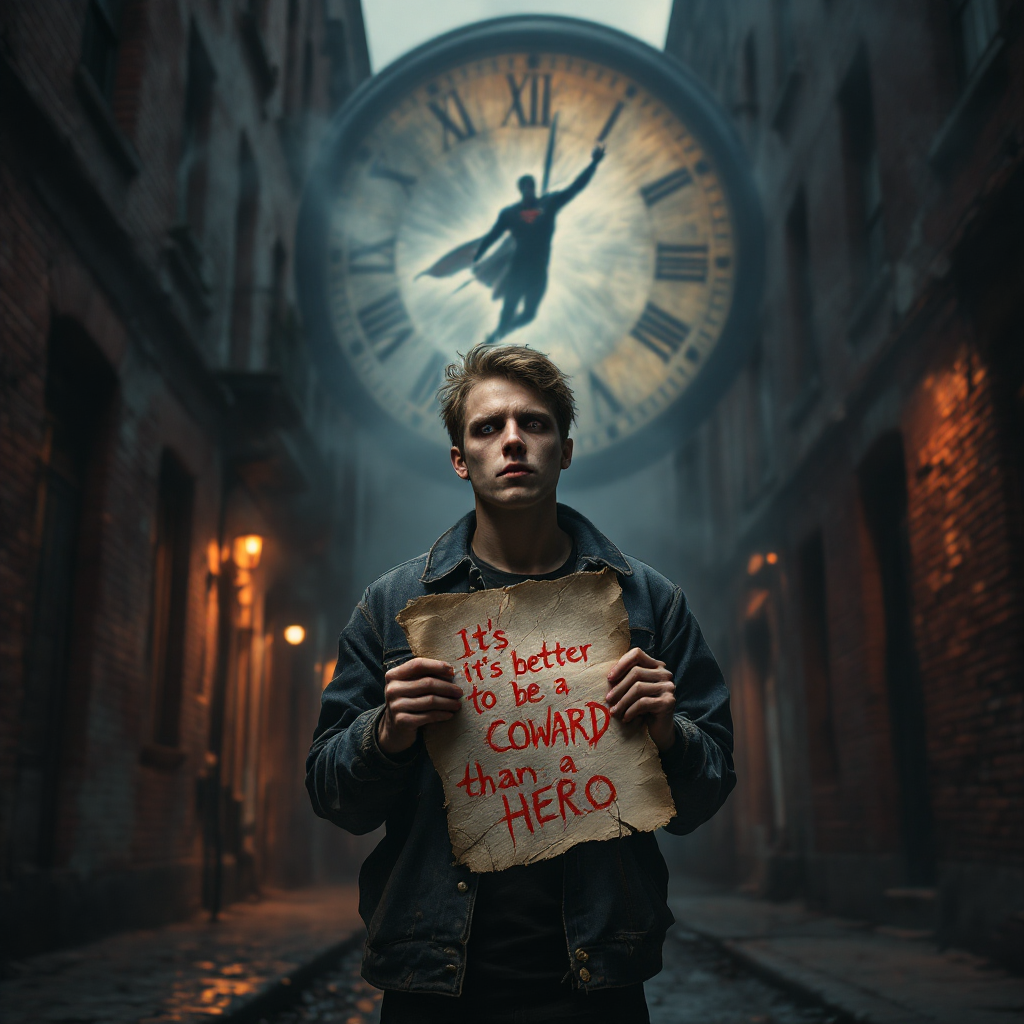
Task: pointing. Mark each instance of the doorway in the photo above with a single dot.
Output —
(883, 488)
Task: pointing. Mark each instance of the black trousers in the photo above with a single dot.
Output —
(565, 1006)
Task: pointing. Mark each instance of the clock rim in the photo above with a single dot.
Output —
(653, 70)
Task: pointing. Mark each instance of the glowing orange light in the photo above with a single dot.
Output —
(213, 558)
(294, 634)
(247, 551)
(755, 563)
(771, 558)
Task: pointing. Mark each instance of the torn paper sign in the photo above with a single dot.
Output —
(533, 762)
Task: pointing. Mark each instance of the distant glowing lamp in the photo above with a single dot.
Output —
(213, 558)
(294, 634)
(755, 563)
(771, 558)
(247, 551)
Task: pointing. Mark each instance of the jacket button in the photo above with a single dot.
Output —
(450, 968)
(582, 955)
(451, 952)
(463, 887)
(584, 975)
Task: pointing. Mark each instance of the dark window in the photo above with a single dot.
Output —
(279, 292)
(246, 214)
(100, 42)
(863, 176)
(756, 425)
(336, 49)
(193, 169)
(170, 598)
(883, 487)
(291, 58)
(307, 74)
(817, 671)
(977, 23)
(803, 345)
(751, 101)
(79, 386)
(785, 38)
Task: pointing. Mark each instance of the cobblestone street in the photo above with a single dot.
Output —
(699, 984)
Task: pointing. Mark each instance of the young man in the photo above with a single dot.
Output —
(567, 939)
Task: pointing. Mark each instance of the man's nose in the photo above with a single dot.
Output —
(512, 441)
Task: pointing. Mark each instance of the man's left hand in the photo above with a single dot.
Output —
(639, 686)
(597, 154)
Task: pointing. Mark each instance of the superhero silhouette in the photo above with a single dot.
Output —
(517, 271)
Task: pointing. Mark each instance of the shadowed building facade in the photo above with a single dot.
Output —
(175, 486)
(853, 507)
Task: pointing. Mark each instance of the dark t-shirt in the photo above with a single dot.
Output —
(517, 939)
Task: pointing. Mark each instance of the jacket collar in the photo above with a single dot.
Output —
(451, 550)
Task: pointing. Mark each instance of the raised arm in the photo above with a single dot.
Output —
(492, 236)
(566, 195)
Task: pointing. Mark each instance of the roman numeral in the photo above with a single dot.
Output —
(429, 380)
(539, 100)
(661, 332)
(385, 324)
(681, 263)
(604, 399)
(378, 258)
(610, 123)
(657, 190)
(462, 128)
(378, 170)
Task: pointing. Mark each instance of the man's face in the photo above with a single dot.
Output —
(528, 187)
(511, 451)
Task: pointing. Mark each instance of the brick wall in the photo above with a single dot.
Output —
(89, 198)
(913, 356)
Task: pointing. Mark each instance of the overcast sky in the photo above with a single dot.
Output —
(395, 26)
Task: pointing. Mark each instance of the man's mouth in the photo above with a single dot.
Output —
(516, 469)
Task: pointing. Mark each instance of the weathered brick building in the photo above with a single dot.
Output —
(172, 471)
(855, 502)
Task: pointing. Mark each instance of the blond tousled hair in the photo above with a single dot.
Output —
(516, 363)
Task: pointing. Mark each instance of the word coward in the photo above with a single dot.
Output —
(533, 763)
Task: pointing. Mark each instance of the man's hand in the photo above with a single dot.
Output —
(639, 686)
(597, 154)
(416, 693)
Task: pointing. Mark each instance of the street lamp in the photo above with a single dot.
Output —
(294, 634)
(247, 550)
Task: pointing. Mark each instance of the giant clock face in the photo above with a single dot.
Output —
(639, 278)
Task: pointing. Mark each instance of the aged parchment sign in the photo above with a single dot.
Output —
(534, 763)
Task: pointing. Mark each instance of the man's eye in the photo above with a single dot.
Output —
(487, 428)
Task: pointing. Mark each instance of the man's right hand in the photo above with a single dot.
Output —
(416, 693)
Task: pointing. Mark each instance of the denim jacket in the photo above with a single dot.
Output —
(417, 903)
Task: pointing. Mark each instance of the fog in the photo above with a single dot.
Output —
(394, 27)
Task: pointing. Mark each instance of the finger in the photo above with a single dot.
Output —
(410, 721)
(415, 667)
(638, 690)
(421, 705)
(649, 706)
(636, 675)
(419, 687)
(632, 657)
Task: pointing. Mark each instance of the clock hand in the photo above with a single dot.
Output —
(550, 154)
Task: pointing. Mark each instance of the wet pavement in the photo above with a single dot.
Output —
(188, 972)
(699, 984)
(731, 959)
